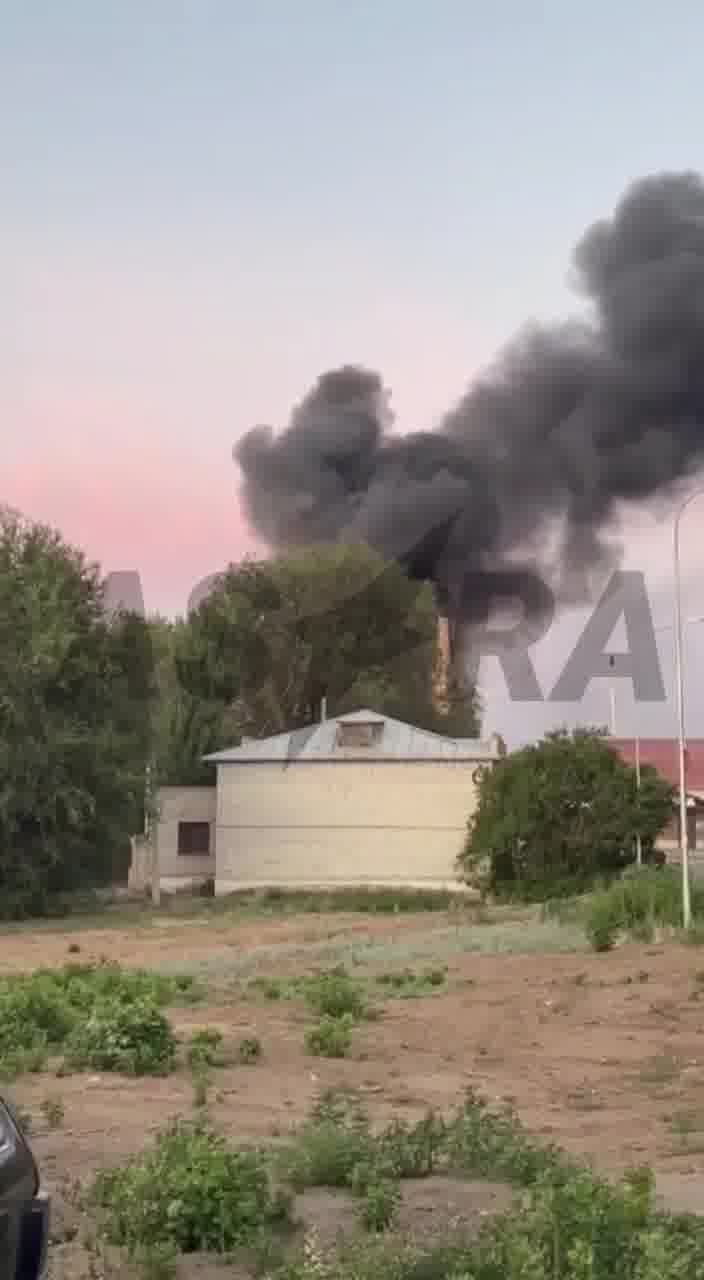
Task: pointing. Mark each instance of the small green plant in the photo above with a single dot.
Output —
(190, 1191)
(135, 1039)
(603, 922)
(205, 1048)
(380, 1200)
(333, 1142)
(335, 994)
(249, 1050)
(409, 985)
(331, 1037)
(200, 1076)
(53, 1111)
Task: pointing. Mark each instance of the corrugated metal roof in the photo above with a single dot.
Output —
(398, 741)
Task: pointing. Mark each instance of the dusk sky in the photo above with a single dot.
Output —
(205, 204)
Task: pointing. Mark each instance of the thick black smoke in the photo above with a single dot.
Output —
(567, 424)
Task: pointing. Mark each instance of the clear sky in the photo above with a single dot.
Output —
(205, 203)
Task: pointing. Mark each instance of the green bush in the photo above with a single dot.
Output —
(191, 1191)
(331, 1037)
(331, 1145)
(603, 921)
(42, 1011)
(556, 815)
(335, 994)
(133, 1038)
(637, 905)
(486, 1143)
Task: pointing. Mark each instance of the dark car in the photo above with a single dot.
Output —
(24, 1209)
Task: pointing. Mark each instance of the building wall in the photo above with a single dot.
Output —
(183, 804)
(316, 824)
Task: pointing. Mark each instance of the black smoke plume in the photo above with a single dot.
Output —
(521, 482)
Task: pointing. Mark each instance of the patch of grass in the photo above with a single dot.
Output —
(661, 1070)
(330, 1037)
(190, 1191)
(409, 985)
(367, 901)
(380, 1201)
(638, 905)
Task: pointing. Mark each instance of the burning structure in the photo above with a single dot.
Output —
(521, 483)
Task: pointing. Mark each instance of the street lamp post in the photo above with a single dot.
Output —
(679, 675)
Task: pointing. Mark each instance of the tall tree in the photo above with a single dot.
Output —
(334, 622)
(186, 727)
(75, 687)
(565, 809)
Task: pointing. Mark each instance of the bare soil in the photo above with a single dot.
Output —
(601, 1054)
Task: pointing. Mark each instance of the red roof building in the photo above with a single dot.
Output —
(663, 755)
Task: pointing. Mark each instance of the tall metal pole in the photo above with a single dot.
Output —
(639, 846)
(679, 675)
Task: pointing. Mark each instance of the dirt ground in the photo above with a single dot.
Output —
(601, 1054)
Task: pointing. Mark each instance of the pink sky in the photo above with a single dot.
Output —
(113, 491)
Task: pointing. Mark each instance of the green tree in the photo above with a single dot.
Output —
(334, 622)
(185, 727)
(75, 687)
(560, 813)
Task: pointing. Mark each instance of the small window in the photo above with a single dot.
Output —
(356, 734)
(194, 839)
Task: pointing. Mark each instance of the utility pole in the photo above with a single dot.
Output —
(639, 846)
(679, 677)
(612, 698)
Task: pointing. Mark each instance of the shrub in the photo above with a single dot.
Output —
(329, 1147)
(414, 1151)
(563, 812)
(331, 1038)
(486, 1143)
(637, 905)
(191, 1191)
(334, 994)
(135, 1039)
(603, 921)
(41, 1012)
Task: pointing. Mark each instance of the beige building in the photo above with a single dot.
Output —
(359, 800)
(183, 836)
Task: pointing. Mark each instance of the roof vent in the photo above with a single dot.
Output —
(359, 734)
